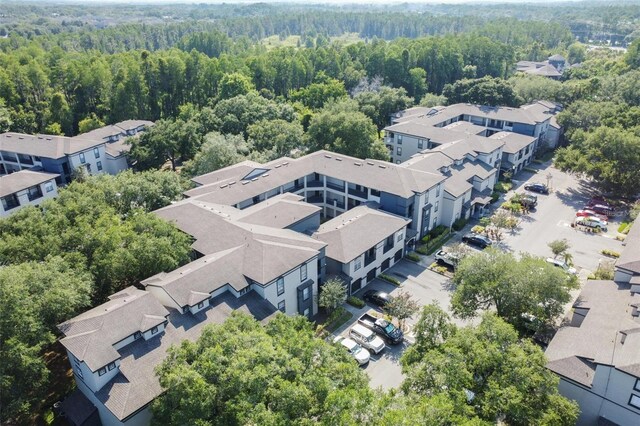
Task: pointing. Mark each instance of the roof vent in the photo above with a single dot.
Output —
(254, 179)
(382, 166)
(338, 159)
(232, 182)
(265, 175)
(246, 182)
(224, 186)
(370, 163)
(278, 165)
(286, 163)
(20, 137)
(358, 164)
(8, 136)
(327, 156)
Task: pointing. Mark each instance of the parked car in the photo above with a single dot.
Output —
(447, 258)
(359, 353)
(603, 222)
(561, 264)
(587, 213)
(601, 209)
(540, 188)
(377, 298)
(389, 332)
(366, 338)
(596, 225)
(528, 200)
(599, 200)
(476, 240)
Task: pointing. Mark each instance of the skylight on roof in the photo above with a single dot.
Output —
(255, 173)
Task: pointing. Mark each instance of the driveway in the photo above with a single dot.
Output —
(425, 286)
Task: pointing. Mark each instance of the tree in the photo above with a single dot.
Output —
(90, 123)
(609, 156)
(489, 372)
(53, 129)
(417, 83)
(518, 289)
(234, 84)
(242, 372)
(402, 306)
(632, 57)
(339, 127)
(531, 88)
(34, 297)
(333, 294)
(156, 146)
(277, 137)
(5, 117)
(559, 247)
(482, 91)
(378, 104)
(217, 151)
(431, 100)
(432, 329)
(317, 94)
(576, 53)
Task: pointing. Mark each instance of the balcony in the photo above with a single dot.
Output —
(315, 184)
(294, 188)
(336, 203)
(335, 186)
(387, 247)
(10, 202)
(368, 260)
(317, 199)
(358, 193)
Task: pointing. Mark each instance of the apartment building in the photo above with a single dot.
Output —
(552, 68)
(269, 255)
(25, 188)
(597, 354)
(417, 129)
(98, 151)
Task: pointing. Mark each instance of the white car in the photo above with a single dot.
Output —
(359, 353)
(561, 264)
(367, 338)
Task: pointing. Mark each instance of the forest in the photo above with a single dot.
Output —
(219, 94)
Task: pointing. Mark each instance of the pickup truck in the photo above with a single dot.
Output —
(392, 334)
(528, 200)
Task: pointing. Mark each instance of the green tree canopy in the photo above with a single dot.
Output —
(34, 297)
(482, 91)
(379, 104)
(316, 94)
(609, 156)
(488, 371)
(518, 289)
(332, 295)
(217, 151)
(341, 128)
(234, 84)
(241, 372)
(89, 123)
(276, 138)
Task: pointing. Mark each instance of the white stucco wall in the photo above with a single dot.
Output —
(291, 282)
(23, 197)
(90, 158)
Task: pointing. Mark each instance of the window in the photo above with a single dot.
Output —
(200, 305)
(357, 264)
(102, 371)
(96, 152)
(82, 159)
(375, 192)
(420, 143)
(137, 335)
(281, 306)
(438, 190)
(48, 186)
(280, 286)
(634, 401)
(303, 272)
(637, 385)
(306, 312)
(154, 330)
(111, 366)
(99, 164)
(399, 139)
(89, 168)
(435, 206)
(399, 238)
(306, 293)
(399, 150)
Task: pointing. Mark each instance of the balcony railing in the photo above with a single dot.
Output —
(335, 186)
(314, 183)
(368, 260)
(387, 247)
(315, 199)
(358, 193)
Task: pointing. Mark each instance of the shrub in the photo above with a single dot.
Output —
(438, 230)
(502, 187)
(478, 229)
(355, 302)
(422, 250)
(426, 239)
(412, 257)
(459, 224)
(530, 170)
(624, 228)
(610, 253)
(389, 279)
(495, 196)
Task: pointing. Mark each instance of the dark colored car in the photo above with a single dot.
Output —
(529, 201)
(601, 209)
(537, 187)
(377, 298)
(477, 240)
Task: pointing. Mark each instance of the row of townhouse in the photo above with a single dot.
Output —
(523, 130)
(596, 353)
(99, 151)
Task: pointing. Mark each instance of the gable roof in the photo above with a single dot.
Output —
(18, 181)
(356, 231)
(91, 335)
(630, 257)
(281, 211)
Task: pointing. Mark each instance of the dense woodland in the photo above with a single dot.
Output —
(219, 94)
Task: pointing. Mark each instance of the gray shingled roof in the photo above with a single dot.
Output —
(137, 384)
(46, 146)
(578, 369)
(513, 142)
(599, 337)
(356, 231)
(280, 211)
(380, 175)
(15, 182)
(630, 257)
(267, 252)
(91, 335)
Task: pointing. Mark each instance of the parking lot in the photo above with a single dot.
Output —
(551, 220)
